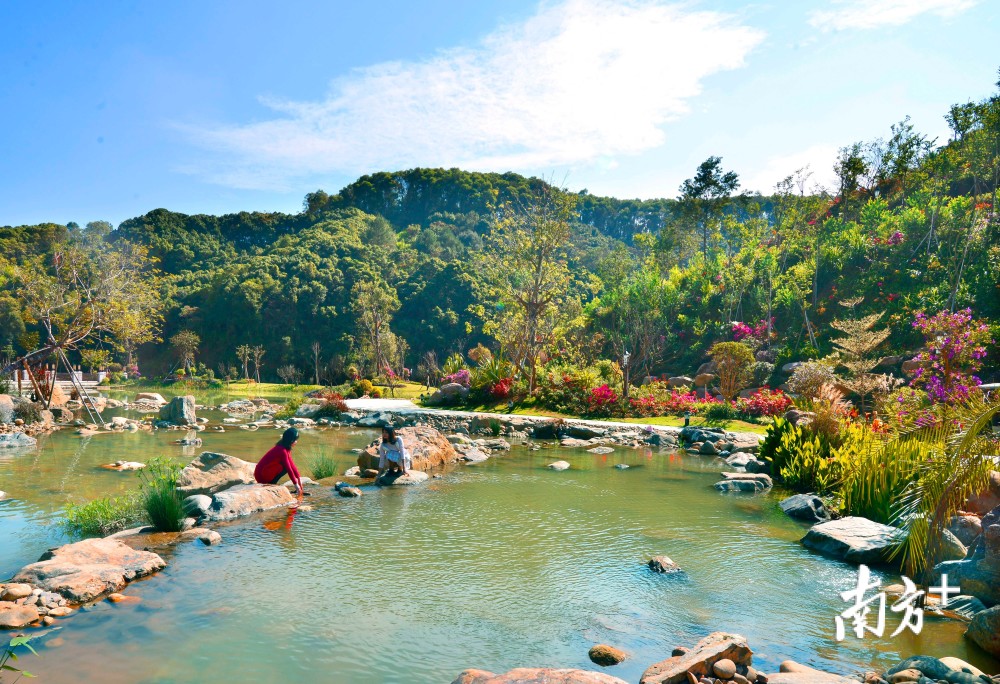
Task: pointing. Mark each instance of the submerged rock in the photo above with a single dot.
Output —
(743, 485)
(17, 440)
(605, 655)
(88, 569)
(211, 473)
(663, 565)
(853, 539)
(558, 465)
(412, 477)
(601, 450)
(700, 659)
(533, 675)
(245, 499)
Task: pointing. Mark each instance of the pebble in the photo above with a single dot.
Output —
(724, 668)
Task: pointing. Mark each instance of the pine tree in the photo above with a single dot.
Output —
(857, 351)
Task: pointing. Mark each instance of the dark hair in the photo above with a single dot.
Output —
(288, 438)
(391, 431)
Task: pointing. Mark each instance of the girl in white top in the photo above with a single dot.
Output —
(392, 454)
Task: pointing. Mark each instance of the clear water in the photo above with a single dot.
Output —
(498, 565)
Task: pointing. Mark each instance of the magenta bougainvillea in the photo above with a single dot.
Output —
(462, 377)
(742, 331)
(954, 350)
(601, 400)
(764, 402)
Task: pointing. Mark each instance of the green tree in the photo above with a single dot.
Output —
(374, 304)
(705, 196)
(733, 361)
(185, 345)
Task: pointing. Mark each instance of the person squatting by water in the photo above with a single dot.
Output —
(392, 455)
(277, 462)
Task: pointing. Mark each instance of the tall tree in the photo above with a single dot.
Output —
(375, 302)
(185, 345)
(705, 196)
(526, 276)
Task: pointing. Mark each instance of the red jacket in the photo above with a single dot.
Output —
(276, 462)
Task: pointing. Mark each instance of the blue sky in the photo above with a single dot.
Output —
(109, 110)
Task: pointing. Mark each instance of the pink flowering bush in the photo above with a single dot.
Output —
(502, 389)
(954, 349)
(601, 401)
(744, 332)
(462, 377)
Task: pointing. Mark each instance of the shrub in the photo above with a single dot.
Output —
(799, 458)
(323, 466)
(104, 516)
(719, 411)
(461, 377)
(161, 501)
(733, 361)
(289, 410)
(601, 401)
(376, 393)
(808, 377)
(565, 391)
(876, 471)
(502, 389)
(362, 387)
(764, 402)
(495, 427)
(333, 405)
(955, 349)
(761, 372)
(28, 412)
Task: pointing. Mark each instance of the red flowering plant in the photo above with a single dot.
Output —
(954, 349)
(502, 388)
(764, 402)
(601, 401)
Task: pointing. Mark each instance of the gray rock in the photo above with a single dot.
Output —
(622, 466)
(210, 538)
(951, 547)
(412, 477)
(17, 440)
(6, 409)
(680, 381)
(197, 505)
(758, 466)
(708, 449)
(245, 499)
(601, 450)
(966, 528)
(985, 630)
(558, 465)
(740, 459)
(741, 486)
(853, 539)
(808, 507)
(180, 411)
(474, 455)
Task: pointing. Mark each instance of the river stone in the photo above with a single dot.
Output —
(428, 449)
(601, 450)
(700, 659)
(209, 537)
(751, 486)
(934, 669)
(663, 565)
(196, 505)
(951, 547)
(853, 539)
(180, 411)
(960, 665)
(474, 455)
(988, 499)
(808, 507)
(412, 477)
(211, 473)
(724, 669)
(605, 655)
(13, 616)
(88, 569)
(150, 398)
(814, 677)
(532, 675)
(583, 431)
(6, 408)
(245, 499)
(740, 459)
(558, 465)
(985, 630)
(16, 440)
(708, 449)
(13, 592)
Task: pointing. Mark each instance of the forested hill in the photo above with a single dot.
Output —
(441, 257)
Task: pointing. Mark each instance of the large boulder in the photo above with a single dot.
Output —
(808, 507)
(988, 499)
(427, 448)
(211, 473)
(853, 539)
(536, 675)
(985, 630)
(979, 573)
(180, 411)
(700, 659)
(966, 528)
(245, 499)
(6, 409)
(17, 440)
(452, 393)
(88, 569)
(680, 381)
(58, 397)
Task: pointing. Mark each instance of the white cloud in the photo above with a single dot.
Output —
(580, 81)
(817, 162)
(867, 14)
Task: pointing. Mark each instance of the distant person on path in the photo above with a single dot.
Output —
(392, 456)
(278, 462)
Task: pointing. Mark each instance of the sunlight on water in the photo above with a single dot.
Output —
(498, 565)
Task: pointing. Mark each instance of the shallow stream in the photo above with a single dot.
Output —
(498, 565)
